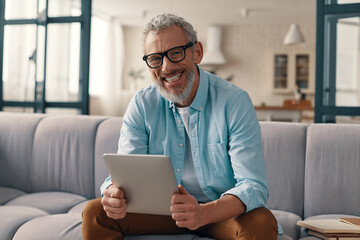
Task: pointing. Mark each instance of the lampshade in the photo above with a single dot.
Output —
(294, 35)
(213, 55)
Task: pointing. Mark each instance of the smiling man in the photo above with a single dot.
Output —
(176, 76)
(208, 128)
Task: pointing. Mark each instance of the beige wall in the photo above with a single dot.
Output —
(248, 50)
(134, 53)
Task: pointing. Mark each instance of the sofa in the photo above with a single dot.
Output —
(51, 165)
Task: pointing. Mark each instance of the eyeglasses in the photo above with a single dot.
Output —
(176, 54)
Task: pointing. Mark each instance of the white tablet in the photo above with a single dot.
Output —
(148, 181)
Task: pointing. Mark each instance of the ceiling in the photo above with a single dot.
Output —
(207, 12)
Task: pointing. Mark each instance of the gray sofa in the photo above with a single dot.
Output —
(50, 166)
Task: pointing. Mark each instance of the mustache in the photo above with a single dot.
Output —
(180, 94)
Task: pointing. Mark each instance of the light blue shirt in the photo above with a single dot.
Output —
(188, 178)
(224, 132)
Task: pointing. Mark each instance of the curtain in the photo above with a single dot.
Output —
(106, 69)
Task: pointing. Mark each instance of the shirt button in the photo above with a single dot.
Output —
(178, 170)
(181, 144)
(201, 108)
(179, 121)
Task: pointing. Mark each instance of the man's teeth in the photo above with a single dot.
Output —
(173, 78)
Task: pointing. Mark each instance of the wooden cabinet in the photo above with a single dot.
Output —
(292, 69)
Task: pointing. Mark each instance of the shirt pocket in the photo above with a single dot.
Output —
(218, 158)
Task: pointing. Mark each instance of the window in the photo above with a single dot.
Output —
(337, 96)
(44, 55)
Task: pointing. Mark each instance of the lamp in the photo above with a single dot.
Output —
(294, 35)
(213, 55)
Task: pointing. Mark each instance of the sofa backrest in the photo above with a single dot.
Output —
(17, 132)
(332, 173)
(63, 154)
(41, 152)
(284, 150)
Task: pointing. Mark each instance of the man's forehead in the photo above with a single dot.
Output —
(166, 38)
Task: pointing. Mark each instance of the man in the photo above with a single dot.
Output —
(209, 129)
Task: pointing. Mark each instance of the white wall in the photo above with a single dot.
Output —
(134, 62)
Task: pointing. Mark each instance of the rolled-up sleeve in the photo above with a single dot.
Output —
(107, 183)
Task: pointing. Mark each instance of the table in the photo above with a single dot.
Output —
(291, 111)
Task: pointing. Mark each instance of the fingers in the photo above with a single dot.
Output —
(115, 215)
(177, 199)
(182, 190)
(114, 203)
(185, 220)
(182, 207)
(179, 216)
(114, 192)
(185, 209)
(115, 212)
(182, 197)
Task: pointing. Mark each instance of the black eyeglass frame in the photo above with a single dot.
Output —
(190, 44)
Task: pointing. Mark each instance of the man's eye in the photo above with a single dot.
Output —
(176, 53)
(154, 59)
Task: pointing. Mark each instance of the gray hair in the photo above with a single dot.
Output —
(166, 20)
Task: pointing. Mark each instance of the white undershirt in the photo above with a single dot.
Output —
(188, 179)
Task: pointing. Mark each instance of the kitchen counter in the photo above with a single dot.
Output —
(291, 111)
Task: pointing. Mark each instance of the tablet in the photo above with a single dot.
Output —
(148, 181)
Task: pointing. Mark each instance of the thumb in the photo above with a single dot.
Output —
(182, 190)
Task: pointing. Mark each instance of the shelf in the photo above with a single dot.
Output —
(293, 68)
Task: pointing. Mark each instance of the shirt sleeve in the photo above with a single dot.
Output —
(134, 138)
(107, 183)
(246, 154)
(133, 135)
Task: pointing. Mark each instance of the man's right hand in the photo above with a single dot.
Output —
(114, 202)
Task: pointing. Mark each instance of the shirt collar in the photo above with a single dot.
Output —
(201, 94)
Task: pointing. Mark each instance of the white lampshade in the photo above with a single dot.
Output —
(213, 54)
(294, 35)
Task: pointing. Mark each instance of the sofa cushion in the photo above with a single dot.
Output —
(54, 227)
(16, 140)
(284, 150)
(284, 237)
(63, 154)
(107, 139)
(78, 208)
(288, 220)
(50, 202)
(332, 179)
(13, 217)
(6, 194)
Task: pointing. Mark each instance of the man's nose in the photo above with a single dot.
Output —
(167, 64)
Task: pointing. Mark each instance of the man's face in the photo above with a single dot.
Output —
(177, 82)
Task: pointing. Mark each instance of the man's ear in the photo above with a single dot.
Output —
(198, 52)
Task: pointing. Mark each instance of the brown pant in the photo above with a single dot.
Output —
(257, 224)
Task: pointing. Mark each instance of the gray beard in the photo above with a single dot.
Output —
(181, 96)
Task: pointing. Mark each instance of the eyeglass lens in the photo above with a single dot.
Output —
(175, 55)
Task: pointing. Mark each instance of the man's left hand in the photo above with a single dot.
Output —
(186, 210)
